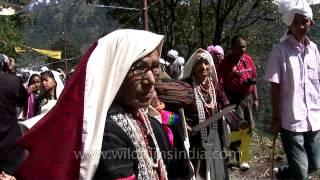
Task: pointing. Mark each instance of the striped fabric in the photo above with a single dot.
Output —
(175, 92)
(234, 118)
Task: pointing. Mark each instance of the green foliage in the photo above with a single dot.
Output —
(10, 35)
(83, 24)
(186, 24)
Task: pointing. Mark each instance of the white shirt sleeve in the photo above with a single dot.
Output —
(273, 72)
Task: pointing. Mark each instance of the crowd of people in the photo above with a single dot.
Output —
(127, 113)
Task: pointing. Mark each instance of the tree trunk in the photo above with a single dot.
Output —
(201, 25)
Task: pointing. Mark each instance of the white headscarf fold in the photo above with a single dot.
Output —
(107, 67)
(60, 85)
(186, 73)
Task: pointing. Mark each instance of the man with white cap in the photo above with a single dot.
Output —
(162, 68)
(175, 67)
(294, 73)
(44, 68)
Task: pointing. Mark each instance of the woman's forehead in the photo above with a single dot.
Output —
(35, 78)
(46, 76)
(202, 60)
(149, 59)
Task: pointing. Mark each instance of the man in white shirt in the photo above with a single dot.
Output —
(294, 73)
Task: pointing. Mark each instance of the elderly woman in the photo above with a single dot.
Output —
(100, 128)
(200, 73)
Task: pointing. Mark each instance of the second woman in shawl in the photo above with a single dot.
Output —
(209, 97)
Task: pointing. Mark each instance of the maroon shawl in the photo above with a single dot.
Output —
(54, 142)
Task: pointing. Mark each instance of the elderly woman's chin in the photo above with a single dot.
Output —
(144, 102)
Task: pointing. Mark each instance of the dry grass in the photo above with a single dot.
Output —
(260, 163)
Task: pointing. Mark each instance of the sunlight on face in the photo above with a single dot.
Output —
(48, 83)
(137, 90)
(300, 26)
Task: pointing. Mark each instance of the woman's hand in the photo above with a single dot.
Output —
(32, 88)
(4, 176)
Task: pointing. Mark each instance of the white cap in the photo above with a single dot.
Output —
(173, 54)
(44, 68)
(288, 9)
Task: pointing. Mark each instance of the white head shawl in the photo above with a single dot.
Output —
(59, 82)
(289, 8)
(56, 76)
(192, 61)
(107, 67)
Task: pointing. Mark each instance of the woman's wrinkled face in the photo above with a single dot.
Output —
(201, 69)
(137, 90)
(48, 83)
(36, 81)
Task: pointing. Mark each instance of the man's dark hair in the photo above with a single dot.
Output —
(235, 39)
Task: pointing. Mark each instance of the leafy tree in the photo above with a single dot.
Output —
(188, 25)
(10, 35)
(10, 28)
(72, 52)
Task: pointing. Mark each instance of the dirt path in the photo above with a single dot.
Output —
(260, 152)
(260, 169)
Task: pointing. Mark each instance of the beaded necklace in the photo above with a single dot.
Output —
(148, 168)
(210, 93)
(200, 102)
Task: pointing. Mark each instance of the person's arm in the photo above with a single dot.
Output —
(222, 99)
(273, 75)
(255, 89)
(275, 97)
(255, 97)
